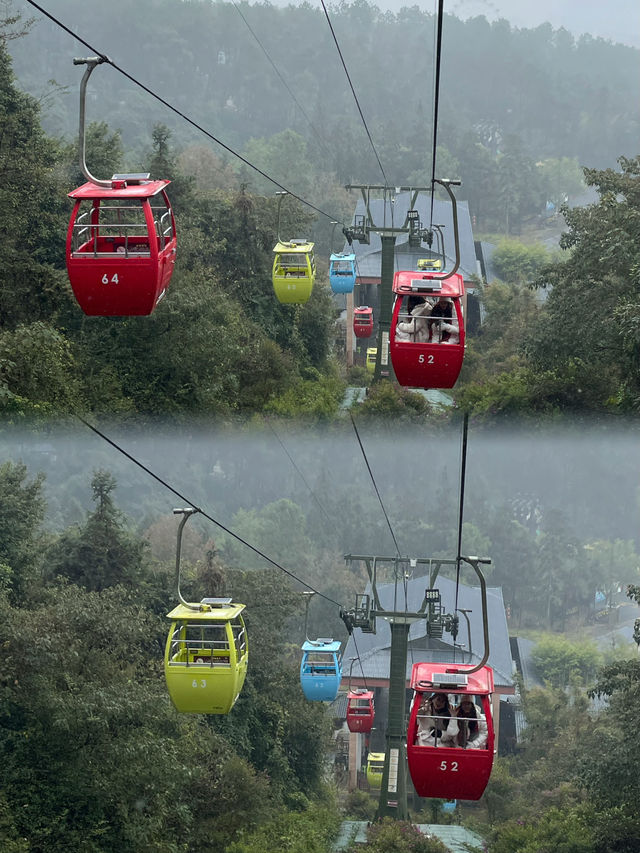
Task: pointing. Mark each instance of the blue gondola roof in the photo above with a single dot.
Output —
(321, 646)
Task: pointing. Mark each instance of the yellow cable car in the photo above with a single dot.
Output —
(372, 353)
(375, 768)
(294, 271)
(430, 264)
(205, 660)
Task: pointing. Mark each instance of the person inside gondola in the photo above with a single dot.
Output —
(436, 723)
(414, 326)
(472, 725)
(443, 328)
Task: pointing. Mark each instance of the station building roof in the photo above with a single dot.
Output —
(374, 650)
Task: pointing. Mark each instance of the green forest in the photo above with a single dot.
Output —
(96, 758)
(237, 402)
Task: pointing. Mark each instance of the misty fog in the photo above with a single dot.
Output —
(585, 476)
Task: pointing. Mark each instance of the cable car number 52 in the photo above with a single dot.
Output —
(421, 359)
(113, 280)
(453, 767)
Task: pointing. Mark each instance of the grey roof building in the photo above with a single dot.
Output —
(385, 213)
(374, 649)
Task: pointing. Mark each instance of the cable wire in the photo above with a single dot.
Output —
(364, 677)
(436, 101)
(281, 78)
(300, 474)
(177, 111)
(375, 485)
(353, 91)
(202, 511)
(463, 474)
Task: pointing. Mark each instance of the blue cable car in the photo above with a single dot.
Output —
(342, 272)
(321, 669)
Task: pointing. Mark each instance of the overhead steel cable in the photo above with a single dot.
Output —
(463, 474)
(436, 103)
(364, 677)
(281, 78)
(375, 485)
(353, 91)
(178, 112)
(300, 474)
(203, 512)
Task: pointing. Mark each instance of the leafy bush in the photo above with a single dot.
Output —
(560, 661)
(393, 836)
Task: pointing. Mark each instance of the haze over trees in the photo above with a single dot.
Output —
(83, 630)
(282, 359)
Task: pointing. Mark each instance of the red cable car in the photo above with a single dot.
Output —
(360, 710)
(427, 347)
(452, 761)
(121, 246)
(363, 321)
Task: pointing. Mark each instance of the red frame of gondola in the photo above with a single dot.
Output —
(450, 772)
(106, 283)
(428, 364)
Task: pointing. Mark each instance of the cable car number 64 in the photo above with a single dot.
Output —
(421, 359)
(113, 280)
(453, 768)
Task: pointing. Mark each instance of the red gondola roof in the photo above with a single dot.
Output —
(141, 190)
(452, 286)
(478, 682)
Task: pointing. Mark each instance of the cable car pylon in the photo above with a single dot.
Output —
(393, 790)
(360, 231)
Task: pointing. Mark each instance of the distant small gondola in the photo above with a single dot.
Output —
(375, 769)
(321, 669)
(372, 354)
(363, 321)
(360, 710)
(342, 272)
(294, 271)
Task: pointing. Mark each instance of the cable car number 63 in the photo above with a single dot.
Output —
(453, 768)
(203, 683)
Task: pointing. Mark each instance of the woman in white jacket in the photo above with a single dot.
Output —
(414, 328)
(472, 726)
(437, 725)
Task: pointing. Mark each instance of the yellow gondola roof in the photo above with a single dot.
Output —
(209, 609)
(292, 246)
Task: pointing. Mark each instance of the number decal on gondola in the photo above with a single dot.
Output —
(113, 279)
(203, 683)
(421, 359)
(454, 766)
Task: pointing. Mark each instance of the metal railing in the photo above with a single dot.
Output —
(88, 232)
(191, 646)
